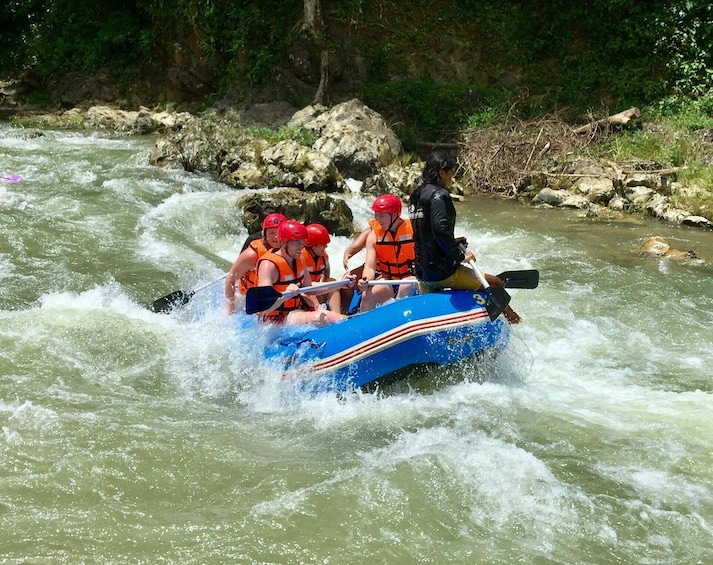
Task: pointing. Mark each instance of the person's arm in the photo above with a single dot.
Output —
(442, 222)
(245, 261)
(267, 273)
(310, 297)
(355, 246)
(369, 271)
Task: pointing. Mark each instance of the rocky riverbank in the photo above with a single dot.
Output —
(305, 156)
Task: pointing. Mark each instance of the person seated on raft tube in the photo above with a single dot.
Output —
(343, 300)
(357, 245)
(390, 254)
(244, 268)
(285, 270)
(438, 257)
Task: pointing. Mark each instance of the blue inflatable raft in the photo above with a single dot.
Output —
(377, 347)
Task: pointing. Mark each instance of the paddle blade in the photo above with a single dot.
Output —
(260, 298)
(496, 301)
(12, 179)
(521, 279)
(170, 301)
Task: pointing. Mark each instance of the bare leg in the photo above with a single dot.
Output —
(510, 315)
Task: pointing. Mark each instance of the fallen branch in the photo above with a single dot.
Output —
(620, 119)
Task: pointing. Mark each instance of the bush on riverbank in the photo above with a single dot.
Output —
(679, 134)
(674, 135)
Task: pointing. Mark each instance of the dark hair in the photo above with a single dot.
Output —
(268, 209)
(437, 161)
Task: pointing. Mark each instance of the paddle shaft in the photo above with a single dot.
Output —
(476, 270)
(528, 278)
(179, 297)
(263, 299)
(497, 297)
(385, 282)
(206, 285)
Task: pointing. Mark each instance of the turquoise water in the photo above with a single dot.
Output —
(134, 437)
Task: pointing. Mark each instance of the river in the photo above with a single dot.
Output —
(134, 437)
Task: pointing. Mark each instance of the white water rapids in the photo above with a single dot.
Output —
(134, 437)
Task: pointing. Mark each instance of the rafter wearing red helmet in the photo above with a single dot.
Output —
(286, 271)
(315, 252)
(244, 269)
(389, 253)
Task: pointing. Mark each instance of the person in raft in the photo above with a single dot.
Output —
(315, 253)
(317, 261)
(244, 269)
(433, 215)
(285, 270)
(265, 211)
(347, 300)
(390, 254)
(357, 245)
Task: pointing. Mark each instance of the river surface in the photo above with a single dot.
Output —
(134, 437)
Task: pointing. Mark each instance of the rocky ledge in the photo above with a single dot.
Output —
(311, 155)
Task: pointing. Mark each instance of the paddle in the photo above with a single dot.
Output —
(179, 297)
(385, 282)
(529, 278)
(11, 178)
(266, 298)
(497, 297)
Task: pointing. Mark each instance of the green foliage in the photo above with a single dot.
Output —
(483, 117)
(300, 135)
(439, 109)
(252, 36)
(672, 147)
(685, 112)
(82, 35)
(248, 38)
(672, 135)
(592, 53)
(685, 42)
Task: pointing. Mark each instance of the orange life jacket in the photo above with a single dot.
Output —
(395, 254)
(316, 264)
(249, 279)
(287, 276)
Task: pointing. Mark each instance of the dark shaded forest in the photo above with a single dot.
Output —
(431, 67)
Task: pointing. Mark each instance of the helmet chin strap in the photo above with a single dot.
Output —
(391, 223)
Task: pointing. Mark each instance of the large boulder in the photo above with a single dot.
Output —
(312, 170)
(315, 207)
(394, 179)
(658, 247)
(353, 136)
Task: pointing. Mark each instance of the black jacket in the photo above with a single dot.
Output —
(433, 217)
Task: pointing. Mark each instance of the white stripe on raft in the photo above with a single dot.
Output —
(395, 336)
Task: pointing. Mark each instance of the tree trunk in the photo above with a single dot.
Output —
(313, 25)
(312, 17)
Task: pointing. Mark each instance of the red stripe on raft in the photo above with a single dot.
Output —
(398, 335)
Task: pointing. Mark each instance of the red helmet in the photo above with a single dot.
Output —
(272, 220)
(317, 234)
(291, 230)
(387, 203)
